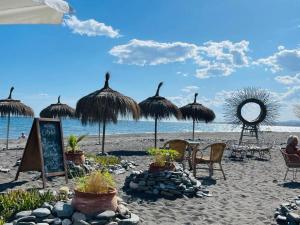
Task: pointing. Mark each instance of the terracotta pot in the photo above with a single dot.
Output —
(92, 203)
(76, 157)
(153, 168)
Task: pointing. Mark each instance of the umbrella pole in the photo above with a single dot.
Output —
(7, 134)
(103, 137)
(193, 129)
(155, 133)
(99, 130)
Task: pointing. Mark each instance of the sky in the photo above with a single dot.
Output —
(210, 47)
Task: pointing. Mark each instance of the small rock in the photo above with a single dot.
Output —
(66, 222)
(47, 206)
(81, 222)
(41, 212)
(112, 223)
(63, 210)
(106, 215)
(42, 224)
(133, 185)
(8, 224)
(133, 220)
(98, 222)
(281, 218)
(23, 214)
(293, 217)
(26, 223)
(57, 221)
(78, 216)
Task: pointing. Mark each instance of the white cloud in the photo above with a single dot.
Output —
(181, 73)
(141, 53)
(211, 58)
(190, 89)
(90, 27)
(288, 80)
(283, 59)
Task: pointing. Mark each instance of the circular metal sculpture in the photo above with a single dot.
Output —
(258, 99)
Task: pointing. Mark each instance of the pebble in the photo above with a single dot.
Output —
(98, 222)
(23, 214)
(41, 212)
(81, 222)
(26, 223)
(47, 206)
(77, 216)
(57, 221)
(106, 215)
(133, 220)
(63, 210)
(24, 219)
(66, 222)
(42, 224)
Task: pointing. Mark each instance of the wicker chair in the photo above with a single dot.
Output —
(181, 146)
(215, 156)
(292, 162)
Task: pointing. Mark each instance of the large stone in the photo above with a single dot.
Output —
(281, 218)
(106, 215)
(66, 222)
(23, 214)
(133, 220)
(78, 216)
(63, 210)
(41, 212)
(24, 219)
(293, 217)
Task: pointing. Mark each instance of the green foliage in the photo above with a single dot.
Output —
(104, 160)
(96, 182)
(20, 200)
(2, 222)
(73, 142)
(163, 156)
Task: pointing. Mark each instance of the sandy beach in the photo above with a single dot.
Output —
(250, 194)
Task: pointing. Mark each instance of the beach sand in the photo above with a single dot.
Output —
(250, 194)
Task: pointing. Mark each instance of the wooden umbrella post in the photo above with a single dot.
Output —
(99, 130)
(103, 136)
(155, 133)
(7, 134)
(193, 129)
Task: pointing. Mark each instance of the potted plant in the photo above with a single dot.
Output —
(163, 159)
(74, 153)
(95, 193)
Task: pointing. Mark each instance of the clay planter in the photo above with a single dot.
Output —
(153, 168)
(92, 203)
(76, 157)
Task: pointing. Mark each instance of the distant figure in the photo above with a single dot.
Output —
(23, 136)
(292, 143)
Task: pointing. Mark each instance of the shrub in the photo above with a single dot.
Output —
(73, 141)
(104, 160)
(96, 182)
(163, 157)
(20, 200)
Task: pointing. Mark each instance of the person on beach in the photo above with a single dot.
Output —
(292, 143)
(23, 136)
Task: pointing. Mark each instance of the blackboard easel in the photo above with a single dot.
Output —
(36, 149)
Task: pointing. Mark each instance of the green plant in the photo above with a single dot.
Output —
(73, 142)
(96, 182)
(104, 160)
(20, 200)
(163, 157)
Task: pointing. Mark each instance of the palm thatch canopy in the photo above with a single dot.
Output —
(59, 110)
(13, 107)
(105, 105)
(197, 112)
(158, 107)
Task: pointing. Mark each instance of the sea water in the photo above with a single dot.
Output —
(19, 125)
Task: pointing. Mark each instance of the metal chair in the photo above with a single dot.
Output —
(292, 162)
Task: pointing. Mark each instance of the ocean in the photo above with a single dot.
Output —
(19, 125)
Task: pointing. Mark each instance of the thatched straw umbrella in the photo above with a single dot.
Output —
(105, 105)
(58, 110)
(13, 107)
(158, 107)
(197, 112)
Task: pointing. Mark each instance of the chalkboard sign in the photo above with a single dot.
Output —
(52, 147)
(44, 150)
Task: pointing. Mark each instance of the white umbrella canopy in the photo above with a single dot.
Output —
(32, 11)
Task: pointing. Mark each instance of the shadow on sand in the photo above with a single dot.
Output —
(10, 185)
(291, 185)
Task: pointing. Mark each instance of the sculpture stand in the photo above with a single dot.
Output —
(249, 131)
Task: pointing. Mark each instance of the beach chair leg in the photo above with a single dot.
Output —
(211, 169)
(222, 171)
(194, 169)
(287, 170)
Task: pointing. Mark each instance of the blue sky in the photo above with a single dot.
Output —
(211, 47)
